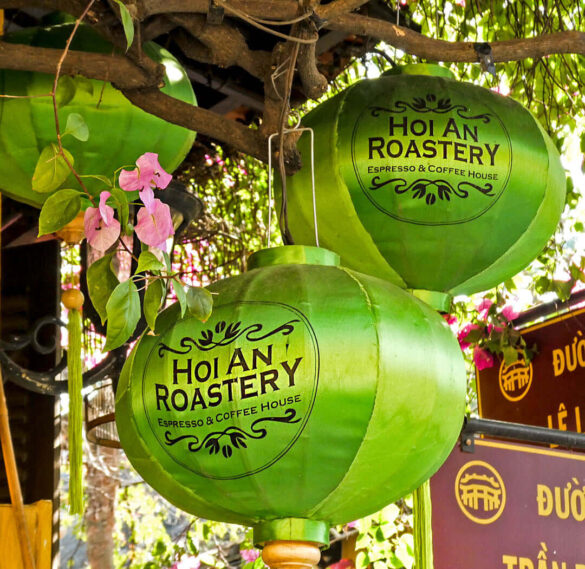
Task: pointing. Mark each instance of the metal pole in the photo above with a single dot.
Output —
(518, 432)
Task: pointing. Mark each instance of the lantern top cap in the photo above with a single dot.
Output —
(293, 255)
(430, 69)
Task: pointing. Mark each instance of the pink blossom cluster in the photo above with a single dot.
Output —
(187, 563)
(481, 357)
(154, 224)
(249, 555)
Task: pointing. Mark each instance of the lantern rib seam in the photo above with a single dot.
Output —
(369, 304)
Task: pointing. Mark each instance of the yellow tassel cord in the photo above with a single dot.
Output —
(423, 532)
(73, 299)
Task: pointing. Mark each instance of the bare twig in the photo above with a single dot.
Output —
(54, 97)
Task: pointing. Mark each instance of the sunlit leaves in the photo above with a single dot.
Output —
(101, 282)
(51, 169)
(77, 127)
(153, 299)
(58, 210)
(127, 23)
(199, 303)
(123, 313)
(148, 262)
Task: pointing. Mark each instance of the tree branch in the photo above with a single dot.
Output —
(338, 7)
(104, 67)
(314, 83)
(440, 50)
(274, 9)
(201, 120)
(227, 46)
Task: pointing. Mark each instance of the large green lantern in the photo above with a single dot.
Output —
(313, 395)
(118, 131)
(428, 182)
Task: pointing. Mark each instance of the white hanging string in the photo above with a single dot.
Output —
(284, 132)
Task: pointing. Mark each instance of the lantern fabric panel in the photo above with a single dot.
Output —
(137, 448)
(336, 213)
(427, 387)
(544, 223)
(118, 131)
(457, 188)
(357, 397)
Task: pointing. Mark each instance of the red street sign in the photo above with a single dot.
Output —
(550, 391)
(509, 506)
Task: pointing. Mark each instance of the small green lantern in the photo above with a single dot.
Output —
(118, 131)
(313, 395)
(428, 182)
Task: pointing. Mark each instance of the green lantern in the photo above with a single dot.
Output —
(313, 395)
(118, 131)
(428, 182)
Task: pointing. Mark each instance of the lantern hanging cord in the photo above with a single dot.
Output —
(284, 109)
(288, 131)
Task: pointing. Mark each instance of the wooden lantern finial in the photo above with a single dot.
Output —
(291, 554)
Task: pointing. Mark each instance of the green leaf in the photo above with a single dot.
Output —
(101, 282)
(58, 210)
(51, 169)
(159, 547)
(103, 179)
(127, 23)
(167, 259)
(123, 312)
(84, 84)
(153, 298)
(121, 199)
(181, 295)
(148, 262)
(362, 560)
(510, 354)
(563, 288)
(199, 302)
(65, 90)
(77, 127)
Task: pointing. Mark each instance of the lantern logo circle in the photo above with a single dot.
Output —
(229, 397)
(430, 154)
(515, 379)
(480, 492)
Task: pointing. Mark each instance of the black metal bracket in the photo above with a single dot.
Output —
(484, 54)
(517, 432)
(215, 13)
(47, 382)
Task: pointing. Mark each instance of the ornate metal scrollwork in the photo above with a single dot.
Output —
(53, 381)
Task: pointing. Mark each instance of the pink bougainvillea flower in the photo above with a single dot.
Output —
(106, 212)
(148, 175)
(494, 328)
(155, 224)
(249, 555)
(483, 308)
(101, 229)
(187, 563)
(509, 313)
(482, 358)
(450, 319)
(463, 333)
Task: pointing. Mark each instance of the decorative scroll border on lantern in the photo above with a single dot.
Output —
(421, 187)
(231, 333)
(237, 436)
(194, 446)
